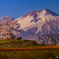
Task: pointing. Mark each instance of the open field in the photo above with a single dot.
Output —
(31, 48)
(25, 45)
(29, 54)
(25, 49)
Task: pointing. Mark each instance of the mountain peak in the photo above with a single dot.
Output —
(46, 9)
(50, 12)
(40, 12)
(34, 17)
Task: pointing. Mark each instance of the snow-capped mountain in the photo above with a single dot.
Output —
(40, 22)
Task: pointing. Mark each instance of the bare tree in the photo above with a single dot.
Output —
(54, 39)
(42, 40)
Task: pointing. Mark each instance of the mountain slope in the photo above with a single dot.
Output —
(36, 23)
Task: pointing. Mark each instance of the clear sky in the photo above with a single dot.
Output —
(17, 8)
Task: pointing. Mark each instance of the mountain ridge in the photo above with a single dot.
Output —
(47, 10)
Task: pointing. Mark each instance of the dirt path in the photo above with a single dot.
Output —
(31, 48)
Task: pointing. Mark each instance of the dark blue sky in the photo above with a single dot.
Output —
(17, 8)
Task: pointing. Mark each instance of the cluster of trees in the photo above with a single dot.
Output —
(49, 40)
(9, 28)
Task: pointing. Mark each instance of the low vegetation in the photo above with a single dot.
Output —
(29, 54)
(18, 43)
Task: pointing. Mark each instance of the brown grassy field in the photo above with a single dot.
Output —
(27, 49)
(50, 47)
(44, 52)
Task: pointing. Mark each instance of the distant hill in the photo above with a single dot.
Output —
(18, 44)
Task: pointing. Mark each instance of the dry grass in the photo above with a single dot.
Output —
(24, 51)
(29, 54)
(51, 47)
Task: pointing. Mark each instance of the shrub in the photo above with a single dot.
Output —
(19, 38)
(7, 39)
(13, 37)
